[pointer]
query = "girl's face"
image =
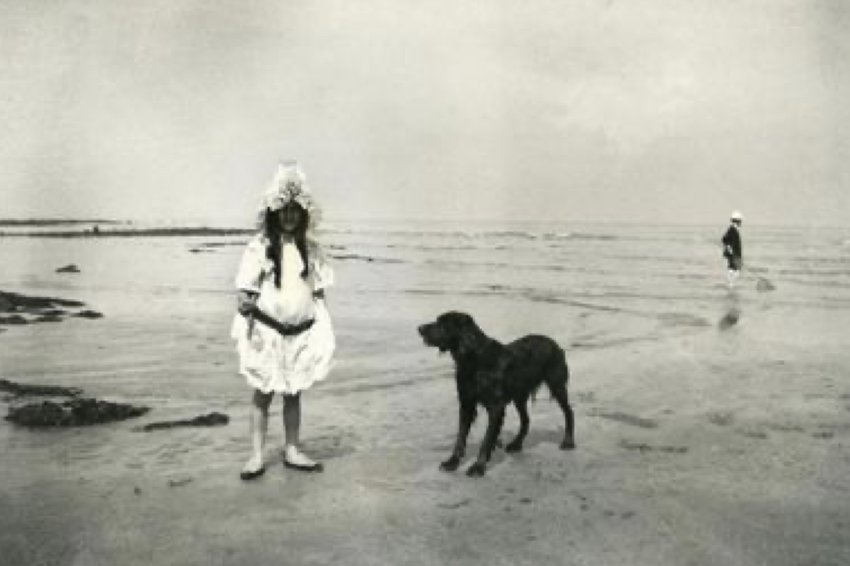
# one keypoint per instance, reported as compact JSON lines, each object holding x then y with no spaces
{"x":290,"y":218}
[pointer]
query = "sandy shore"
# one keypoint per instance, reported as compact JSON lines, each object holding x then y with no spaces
{"x":705,"y":447}
{"x":711,"y":429}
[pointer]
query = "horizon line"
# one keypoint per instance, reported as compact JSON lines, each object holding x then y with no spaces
{"x":233,"y":223}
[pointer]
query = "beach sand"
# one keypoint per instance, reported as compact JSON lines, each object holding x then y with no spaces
{"x":712,"y":427}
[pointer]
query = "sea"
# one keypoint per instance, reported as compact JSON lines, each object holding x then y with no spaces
{"x":588,"y":285}
{"x":613,"y":267}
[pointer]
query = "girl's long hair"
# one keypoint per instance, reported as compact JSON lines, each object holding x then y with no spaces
{"x":271,"y":229}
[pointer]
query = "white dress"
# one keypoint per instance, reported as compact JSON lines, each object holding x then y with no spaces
{"x":268,"y":360}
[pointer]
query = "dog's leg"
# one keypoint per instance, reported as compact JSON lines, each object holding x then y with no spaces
{"x":522,"y":408}
{"x":559,"y":392}
{"x":495,"y":418}
{"x":466,"y":418}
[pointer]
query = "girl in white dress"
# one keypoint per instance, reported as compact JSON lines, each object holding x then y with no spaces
{"x":283,"y":330}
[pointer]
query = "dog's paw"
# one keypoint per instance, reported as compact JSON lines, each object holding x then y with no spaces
{"x":514,"y":446}
{"x":568,"y":444}
{"x":476,"y":470}
{"x":451,"y":464}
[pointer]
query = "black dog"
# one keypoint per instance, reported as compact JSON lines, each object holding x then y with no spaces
{"x":493,"y":375}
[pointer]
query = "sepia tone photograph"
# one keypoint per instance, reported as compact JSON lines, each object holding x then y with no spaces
{"x":314,"y":282}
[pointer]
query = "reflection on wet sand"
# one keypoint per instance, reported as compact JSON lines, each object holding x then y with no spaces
{"x":733,"y":312}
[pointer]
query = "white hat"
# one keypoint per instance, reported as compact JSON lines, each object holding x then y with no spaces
{"x":289,"y":184}
{"x":736,"y":215}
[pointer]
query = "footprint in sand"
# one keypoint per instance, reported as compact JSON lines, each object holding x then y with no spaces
{"x":643,"y":447}
{"x":682,"y":319}
{"x":786,"y":427}
{"x":824,"y":434}
{"x":752,"y":433}
{"x":721,"y":418}
{"x":179,"y":482}
{"x":455,"y":505}
{"x":586,"y":396}
{"x":333,"y":445}
{"x":624,"y":418}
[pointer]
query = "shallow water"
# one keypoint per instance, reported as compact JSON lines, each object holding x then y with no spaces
{"x":583,"y":283}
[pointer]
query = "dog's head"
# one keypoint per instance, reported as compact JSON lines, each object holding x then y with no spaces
{"x":453,"y":331}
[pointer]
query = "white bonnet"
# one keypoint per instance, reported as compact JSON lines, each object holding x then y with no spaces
{"x":289,"y":184}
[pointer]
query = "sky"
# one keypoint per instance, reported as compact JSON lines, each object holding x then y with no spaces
{"x":669,"y":111}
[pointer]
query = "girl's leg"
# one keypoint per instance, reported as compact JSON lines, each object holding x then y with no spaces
{"x":291,"y":419}
{"x":732,"y":276}
{"x":259,"y":426}
{"x":291,"y":429}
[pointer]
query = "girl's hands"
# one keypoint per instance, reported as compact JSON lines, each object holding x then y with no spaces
{"x":256,"y":313}
{"x":246,"y":302}
{"x":247,"y":307}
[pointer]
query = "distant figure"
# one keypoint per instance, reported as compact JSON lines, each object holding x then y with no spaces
{"x":283,"y":330}
{"x":733,"y":249}
{"x":95,"y":229}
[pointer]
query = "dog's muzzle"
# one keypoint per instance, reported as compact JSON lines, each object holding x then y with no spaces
{"x":426,"y":331}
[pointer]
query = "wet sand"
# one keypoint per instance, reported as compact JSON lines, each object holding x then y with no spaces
{"x":745,"y":462}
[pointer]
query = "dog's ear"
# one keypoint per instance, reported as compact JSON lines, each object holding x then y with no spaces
{"x":468,"y":342}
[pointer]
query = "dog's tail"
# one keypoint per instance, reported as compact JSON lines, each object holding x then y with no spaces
{"x":557,"y":372}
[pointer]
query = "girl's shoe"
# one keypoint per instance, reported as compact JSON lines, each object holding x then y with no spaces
{"x":252,"y":469}
{"x":293,"y":458}
{"x":250,"y":475}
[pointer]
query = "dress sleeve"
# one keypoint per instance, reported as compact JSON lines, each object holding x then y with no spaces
{"x":323,"y":273}
{"x":250,"y":273}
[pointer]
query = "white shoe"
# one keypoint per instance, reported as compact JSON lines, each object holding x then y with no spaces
{"x":253,"y":468}
{"x":294,"y":458}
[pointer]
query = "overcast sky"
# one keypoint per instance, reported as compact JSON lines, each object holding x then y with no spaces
{"x":595,"y":110}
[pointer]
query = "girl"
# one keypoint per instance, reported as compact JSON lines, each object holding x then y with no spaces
{"x":283,"y":330}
